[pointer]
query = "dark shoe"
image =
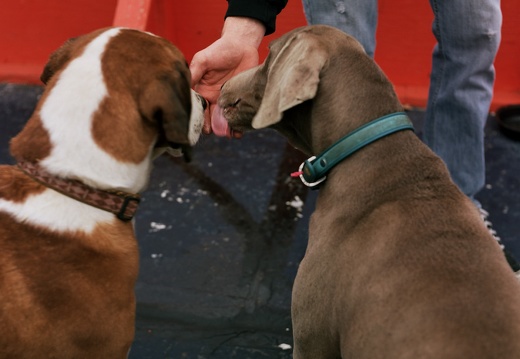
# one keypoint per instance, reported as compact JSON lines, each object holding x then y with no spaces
{"x":513,"y":263}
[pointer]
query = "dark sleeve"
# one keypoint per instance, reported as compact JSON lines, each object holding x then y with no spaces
{"x":263,"y":10}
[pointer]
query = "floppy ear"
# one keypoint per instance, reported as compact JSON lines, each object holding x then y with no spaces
{"x":293,"y":78}
{"x":57,"y":60}
{"x":167,"y":101}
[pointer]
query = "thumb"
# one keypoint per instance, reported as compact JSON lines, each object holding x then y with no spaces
{"x":197,"y":71}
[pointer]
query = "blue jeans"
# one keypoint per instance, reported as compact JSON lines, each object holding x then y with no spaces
{"x":462,"y":76}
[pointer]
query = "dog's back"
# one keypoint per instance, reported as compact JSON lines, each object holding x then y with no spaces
{"x":62,"y":291}
{"x":400,"y":265}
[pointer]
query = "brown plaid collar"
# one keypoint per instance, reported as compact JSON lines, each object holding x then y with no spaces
{"x":122,"y":204}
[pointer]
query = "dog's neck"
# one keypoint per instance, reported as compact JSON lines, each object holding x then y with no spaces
{"x":122,"y":204}
{"x":344,"y":104}
{"x":329,"y":122}
{"x":396,"y":167}
{"x":315,"y":169}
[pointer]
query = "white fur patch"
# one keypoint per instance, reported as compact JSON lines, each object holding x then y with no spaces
{"x":196,"y":118}
{"x":56,"y":212}
{"x":67,"y":115}
{"x":195,"y":127}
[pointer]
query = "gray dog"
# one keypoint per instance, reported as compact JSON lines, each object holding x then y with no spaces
{"x":399,"y":263}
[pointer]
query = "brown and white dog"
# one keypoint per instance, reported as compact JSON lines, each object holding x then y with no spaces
{"x":399,"y":264}
{"x":68,"y":255}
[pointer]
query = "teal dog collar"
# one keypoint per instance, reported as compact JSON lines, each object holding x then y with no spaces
{"x":313,"y":171}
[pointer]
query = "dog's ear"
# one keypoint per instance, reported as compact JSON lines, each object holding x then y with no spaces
{"x":293,"y":78}
{"x":57,"y":60}
{"x":167,"y":101}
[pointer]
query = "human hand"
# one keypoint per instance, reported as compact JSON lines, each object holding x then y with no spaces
{"x":234,"y":52}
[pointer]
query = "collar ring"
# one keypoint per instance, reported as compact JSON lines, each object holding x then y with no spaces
{"x":314,"y":184}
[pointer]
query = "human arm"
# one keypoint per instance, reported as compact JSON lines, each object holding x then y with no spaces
{"x":235,"y":51}
{"x":264,"y":11}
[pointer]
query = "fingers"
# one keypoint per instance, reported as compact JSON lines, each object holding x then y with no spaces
{"x":206,"y":128}
{"x":211,"y":67}
{"x":197,"y":70}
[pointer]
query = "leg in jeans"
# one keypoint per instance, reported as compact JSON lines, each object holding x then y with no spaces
{"x":357,"y":18}
{"x":468,"y":36}
{"x":461,"y":87}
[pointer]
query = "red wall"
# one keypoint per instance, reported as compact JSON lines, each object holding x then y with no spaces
{"x":31,"y":29}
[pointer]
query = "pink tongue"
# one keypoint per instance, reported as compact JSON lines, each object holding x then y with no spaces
{"x":219,"y":124}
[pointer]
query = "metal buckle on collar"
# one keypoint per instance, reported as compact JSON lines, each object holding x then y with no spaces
{"x":126,"y":201}
{"x":313,"y":185}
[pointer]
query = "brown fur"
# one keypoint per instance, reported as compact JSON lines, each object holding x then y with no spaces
{"x":164,"y":95}
{"x":66,"y":296}
{"x":35,"y":144}
{"x":71,"y":294}
{"x":399,"y":264}
{"x":14,"y":185}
